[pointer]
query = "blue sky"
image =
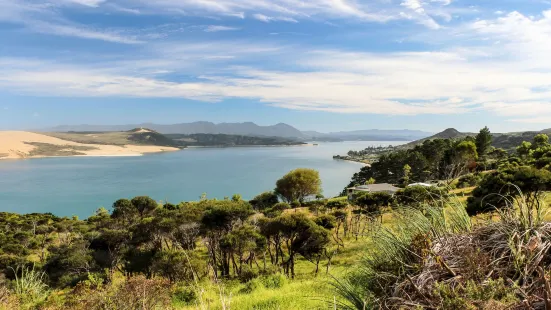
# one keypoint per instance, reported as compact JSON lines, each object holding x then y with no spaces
{"x":325,"y":65}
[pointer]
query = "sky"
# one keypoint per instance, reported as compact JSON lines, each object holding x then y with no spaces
{"x":325,"y":65}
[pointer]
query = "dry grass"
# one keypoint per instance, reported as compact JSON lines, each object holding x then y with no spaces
{"x":46,"y":149}
{"x":104,"y":138}
{"x":440,"y":259}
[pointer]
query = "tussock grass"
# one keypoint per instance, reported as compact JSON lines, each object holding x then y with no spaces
{"x":437,"y":258}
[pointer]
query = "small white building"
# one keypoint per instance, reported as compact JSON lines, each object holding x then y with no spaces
{"x":373,"y":188}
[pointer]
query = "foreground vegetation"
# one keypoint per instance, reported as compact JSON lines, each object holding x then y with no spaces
{"x":291,"y":248}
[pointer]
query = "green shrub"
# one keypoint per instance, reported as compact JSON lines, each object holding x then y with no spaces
{"x":251,"y":286}
{"x":247,"y":274}
{"x":468,"y":180}
{"x":186,"y":295}
{"x":274,"y":281}
{"x":337,"y":203}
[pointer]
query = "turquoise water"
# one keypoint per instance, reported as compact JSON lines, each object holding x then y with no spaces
{"x":80,"y":185}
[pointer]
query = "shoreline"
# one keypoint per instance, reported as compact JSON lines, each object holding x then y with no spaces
{"x":353,"y":161}
{"x":238,"y":146}
{"x":86,"y":155}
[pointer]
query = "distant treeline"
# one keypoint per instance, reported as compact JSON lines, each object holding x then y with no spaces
{"x":202,"y":139}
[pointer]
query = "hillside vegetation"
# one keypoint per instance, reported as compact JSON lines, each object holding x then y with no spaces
{"x":292,"y":248}
{"x":229,"y":140}
{"x":138,"y":136}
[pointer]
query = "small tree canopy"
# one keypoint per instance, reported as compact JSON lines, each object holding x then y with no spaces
{"x":144,"y":204}
{"x":500,"y":186}
{"x":483,"y":141}
{"x":264,"y":201}
{"x":298,"y":184}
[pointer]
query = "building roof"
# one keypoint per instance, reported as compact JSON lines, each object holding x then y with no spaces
{"x":383,"y":187}
{"x":421,"y":184}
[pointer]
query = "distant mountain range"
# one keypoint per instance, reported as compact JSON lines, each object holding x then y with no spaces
{"x":251,"y":129}
{"x":245,"y":129}
{"x":508,"y":141}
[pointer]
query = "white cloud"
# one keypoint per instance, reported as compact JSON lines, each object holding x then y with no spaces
{"x":42,"y":18}
{"x":511,"y":79}
{"x":79,"y":32}
{"x":216,"y":28}
{"x":267,"y":19}
{"x":290,"y":10}
{"x":90,"y":3}
{"x":417,"y":12}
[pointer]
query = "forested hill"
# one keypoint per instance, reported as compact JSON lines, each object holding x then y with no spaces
{"x":450,"y":133}
{"x":507,"y":141}
{"x":229,"y":140}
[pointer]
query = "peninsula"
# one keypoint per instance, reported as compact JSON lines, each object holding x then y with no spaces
{"x":24,"y":144}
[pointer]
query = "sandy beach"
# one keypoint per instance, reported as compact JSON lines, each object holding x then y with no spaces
{"x":14,"y":145}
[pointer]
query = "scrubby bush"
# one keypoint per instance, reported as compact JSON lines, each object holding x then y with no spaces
{"x":274,"y":281}
{"x":468,"y":180}
{"x":186,"y":295}
{"x":8,"y":301}
{"x":326,"y":221}
{"x":247,"y":274}
{"x":338,"y":203}
{"x":497,"y":189}
{"x":418,"y":196}
{"x":264,"y":201}
{"x":251,"y":286}
{"x":277,"y":209}
{"x":135,"y":293}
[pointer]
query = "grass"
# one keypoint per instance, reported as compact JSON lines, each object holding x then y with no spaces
{"x":46,"y":149}
{"x":305,"y":292}
{"x":104,"y":138}
{"x":122,"y":138}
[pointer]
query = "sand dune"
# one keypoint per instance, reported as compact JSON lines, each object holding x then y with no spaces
{"x":14,"y":145}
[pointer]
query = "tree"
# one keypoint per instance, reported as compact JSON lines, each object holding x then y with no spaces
{"x":524,"y":149}
{"x":124,"y":210}
{"x":298,"y":184}
{"x":144,"y":205}
{"x":541,"y":140}
{"x":371,"y":203}
{"x":264,"y":201}
{"x":417,"y":196}
{"x":497,"y":189}
{"x":483,"y":141}
{"x":460,"y":159}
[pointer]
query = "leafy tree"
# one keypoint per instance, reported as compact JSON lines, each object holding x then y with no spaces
{"x":219,"y":219}
{"x":524,"y":149}
{"x":460,"y":159}
{"x":371,"y":203}
{"x":337,"y":204}
{"x":177,"y":265}
{"x":483,"y":141}
{"x":264,"y":201}
{"x":69,"y":263}
{"x":298,"y":184}
{"x":418,"y":196}
{"x":498,"y":188}
{"x":303,"y":235}
{"x":144,"y":205}
{"x":541,"y":140}
{"x":124,"y":210}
